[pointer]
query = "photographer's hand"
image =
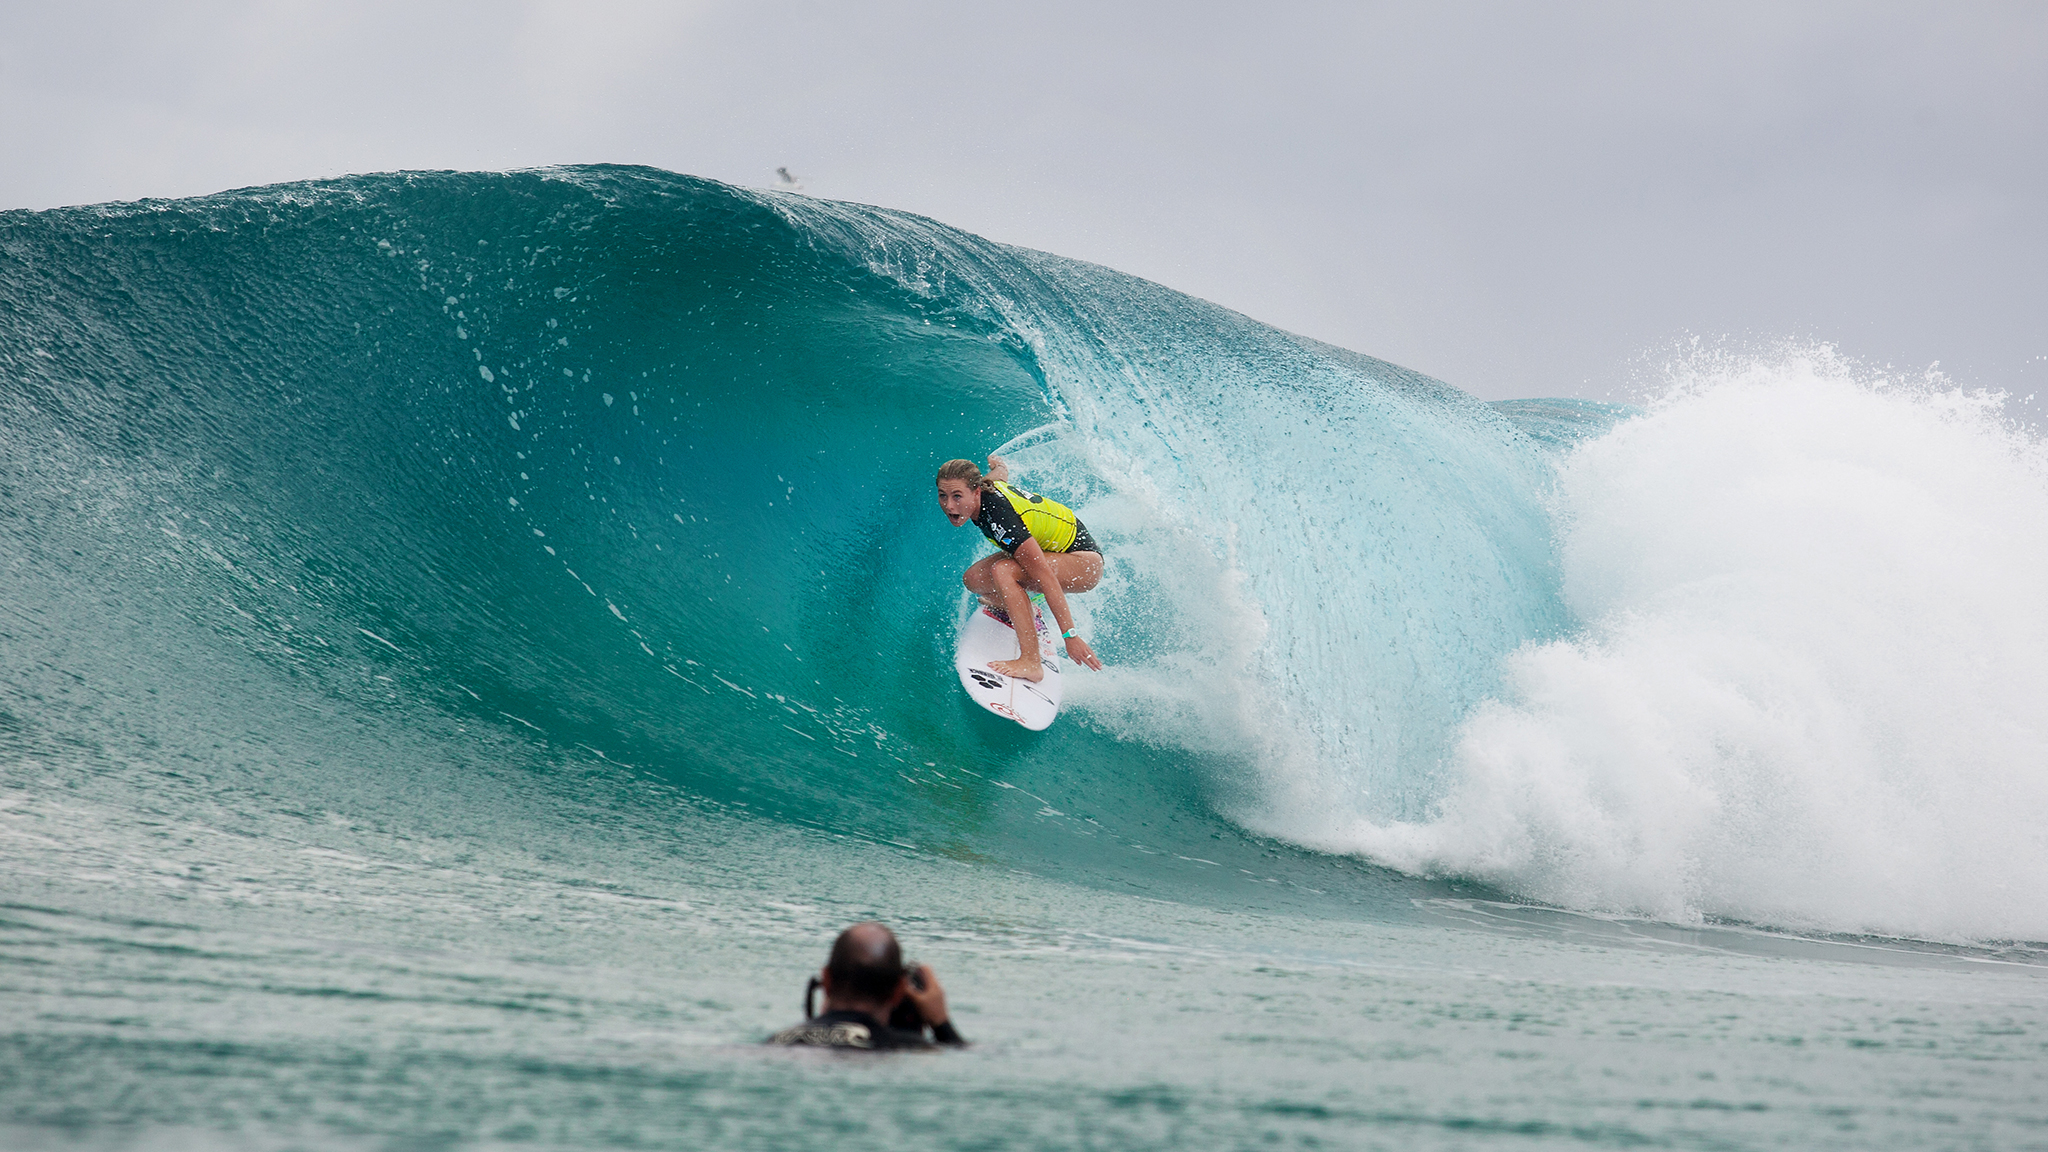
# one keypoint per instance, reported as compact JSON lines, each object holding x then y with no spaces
{"x":931,"y":999}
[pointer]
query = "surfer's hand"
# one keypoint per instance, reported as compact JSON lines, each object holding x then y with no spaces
{"x":1080,"y":653}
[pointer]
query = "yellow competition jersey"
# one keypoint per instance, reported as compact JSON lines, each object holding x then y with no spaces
{"x":1020,"y":514}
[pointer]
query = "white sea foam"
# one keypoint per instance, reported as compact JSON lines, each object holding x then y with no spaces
{"x":1811,"y":682}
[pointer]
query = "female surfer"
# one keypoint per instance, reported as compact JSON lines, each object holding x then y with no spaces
{"x":1044,"y":549}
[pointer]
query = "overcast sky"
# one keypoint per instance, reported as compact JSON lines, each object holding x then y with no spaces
{"x":1523,"y":199}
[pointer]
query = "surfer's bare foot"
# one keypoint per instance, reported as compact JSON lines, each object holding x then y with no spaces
{"x":1034,"y":671}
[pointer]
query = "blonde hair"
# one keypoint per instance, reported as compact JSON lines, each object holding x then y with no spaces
{"x":963,"y":470}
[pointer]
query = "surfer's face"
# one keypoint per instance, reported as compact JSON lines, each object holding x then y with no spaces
{"x":959,"y":500}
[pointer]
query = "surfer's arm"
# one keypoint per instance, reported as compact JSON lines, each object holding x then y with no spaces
{"x":998,"y":468}
{"x":1032,"y":559}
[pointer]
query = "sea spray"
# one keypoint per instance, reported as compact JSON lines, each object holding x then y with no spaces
{"x":1808,"y":686}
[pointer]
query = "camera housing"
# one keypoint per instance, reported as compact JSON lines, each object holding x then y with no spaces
{"x":904,"y":1017}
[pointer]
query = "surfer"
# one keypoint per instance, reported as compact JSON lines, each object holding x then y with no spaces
{"x":1045,"y":549}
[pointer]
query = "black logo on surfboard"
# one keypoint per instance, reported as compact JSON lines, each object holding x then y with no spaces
{"x":988,"y":680}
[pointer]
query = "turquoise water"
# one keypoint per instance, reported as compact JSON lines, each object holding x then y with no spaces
{"x":470,"y":640}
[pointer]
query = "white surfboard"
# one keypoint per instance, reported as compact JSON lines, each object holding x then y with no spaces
{"x":986,"y":638}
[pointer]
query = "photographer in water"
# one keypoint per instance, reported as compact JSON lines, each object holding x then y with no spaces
{"x":872,"y":1003}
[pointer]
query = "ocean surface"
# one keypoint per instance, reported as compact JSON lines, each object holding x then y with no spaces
{"x":469,"y":641}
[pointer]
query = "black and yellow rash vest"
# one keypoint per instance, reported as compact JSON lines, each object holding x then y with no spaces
{"x":1009,"y":516}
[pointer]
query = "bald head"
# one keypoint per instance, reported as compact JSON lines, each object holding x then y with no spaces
{"x":866,"y":964}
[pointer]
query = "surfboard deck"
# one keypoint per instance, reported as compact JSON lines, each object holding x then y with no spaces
{"x":986,"y":638}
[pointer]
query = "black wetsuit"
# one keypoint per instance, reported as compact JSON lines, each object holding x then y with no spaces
{"x":860,"y":1032}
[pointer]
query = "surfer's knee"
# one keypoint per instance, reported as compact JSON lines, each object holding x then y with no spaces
{"x":977,"y":578}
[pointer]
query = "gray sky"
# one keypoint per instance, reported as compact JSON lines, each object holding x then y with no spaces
{"x":1520,"y":198}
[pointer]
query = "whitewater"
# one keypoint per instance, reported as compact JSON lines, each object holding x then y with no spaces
{"x":1805,"y":683}
{"x":431,"y":601}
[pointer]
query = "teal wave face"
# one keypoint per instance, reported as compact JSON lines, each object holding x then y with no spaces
{"x":615,"y":460}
